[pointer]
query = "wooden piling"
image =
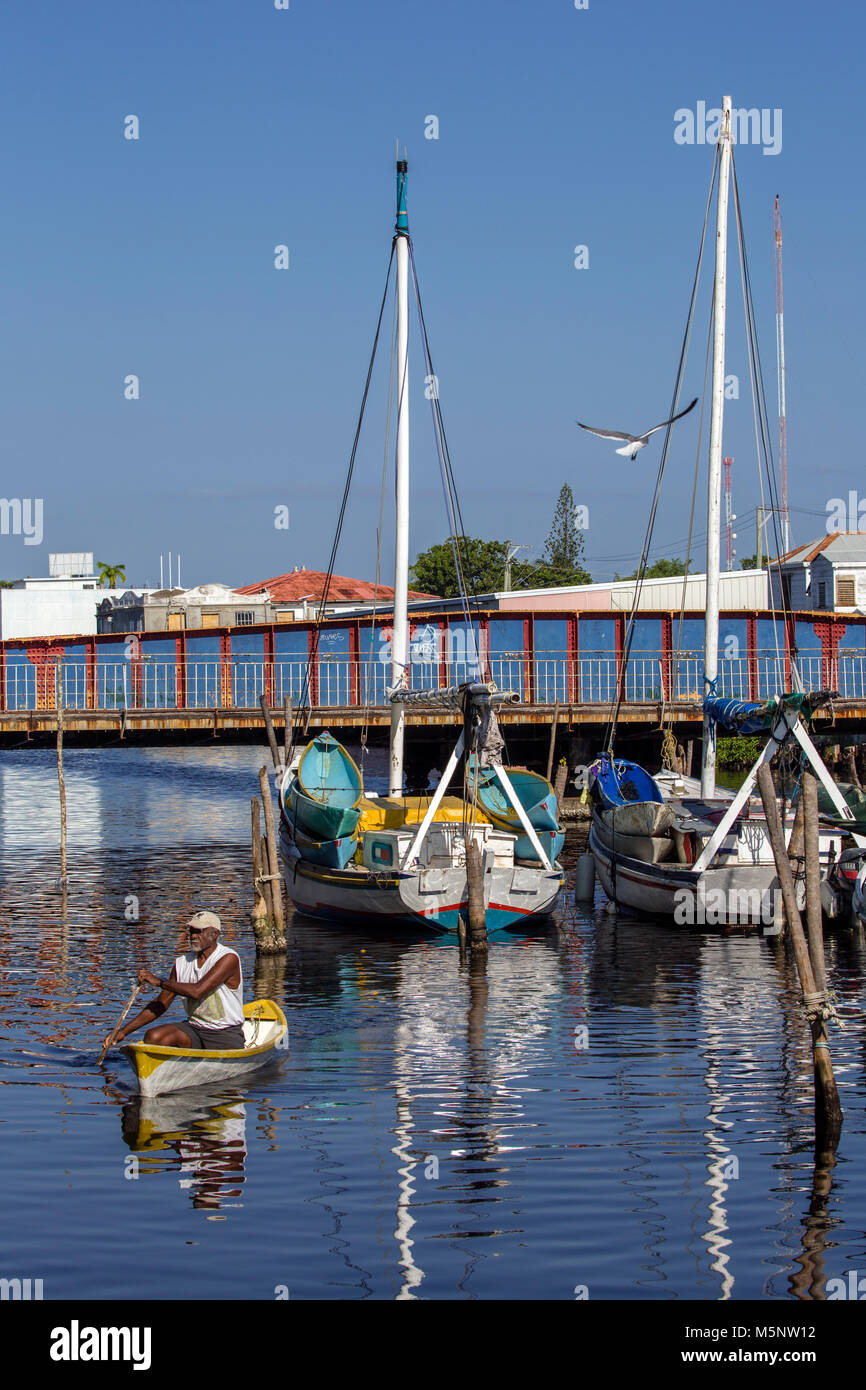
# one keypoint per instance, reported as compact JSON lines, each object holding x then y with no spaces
{"x":61,"y":782}
{"x":795,"y":843}
{"x":559,"y":784}
{"x":287,"y":734}
{"x":260,"y":914}
{"x":256,"y":818}
{"x":267,"y":884}
{"x":269,"y":727}
{"x":553,"y":723}
{"x":475,"y":894}
{"x":814,"y":922}
{"x":849,"y":762}
{"x":828,"y":1109}
{"x":273,"y":858}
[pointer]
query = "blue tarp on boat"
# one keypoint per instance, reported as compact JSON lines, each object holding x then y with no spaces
{"x":740,"y":716}
{"x":744,"y":717}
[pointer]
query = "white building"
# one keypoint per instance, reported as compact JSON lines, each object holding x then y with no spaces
{"x":828,"y":575}
{"x":738,"y":589}
{"x":62,"y":603}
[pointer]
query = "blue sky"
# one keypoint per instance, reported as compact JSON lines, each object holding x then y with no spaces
{"x":260,"y":127}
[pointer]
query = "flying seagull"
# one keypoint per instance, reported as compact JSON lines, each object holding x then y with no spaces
{"x":635,"y":442}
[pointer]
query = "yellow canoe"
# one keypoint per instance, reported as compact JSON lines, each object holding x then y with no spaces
{"x":162,"y":1069}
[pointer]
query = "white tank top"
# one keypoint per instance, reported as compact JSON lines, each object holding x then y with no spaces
{"x":223,"y":1007}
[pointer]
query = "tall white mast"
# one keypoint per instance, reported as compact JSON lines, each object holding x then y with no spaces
{"x":714,"y":485}
{"x":400,"y":638}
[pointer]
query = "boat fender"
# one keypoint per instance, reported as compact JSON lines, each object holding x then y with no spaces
{"x":584,"y":884}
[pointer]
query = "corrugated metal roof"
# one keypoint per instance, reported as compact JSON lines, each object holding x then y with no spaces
{"x":845,"y":549}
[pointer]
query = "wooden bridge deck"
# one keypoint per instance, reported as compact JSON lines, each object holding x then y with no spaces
{"x":19,"y":727}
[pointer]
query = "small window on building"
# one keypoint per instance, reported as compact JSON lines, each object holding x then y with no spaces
{"x":210,"y":619}
{"x":245,"y":619}
{"x":176,"y":621}
{"x":822,"y":596}
{"x":845,"y":591}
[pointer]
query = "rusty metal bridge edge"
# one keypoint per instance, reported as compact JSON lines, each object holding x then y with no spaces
{"x":221,"y":721}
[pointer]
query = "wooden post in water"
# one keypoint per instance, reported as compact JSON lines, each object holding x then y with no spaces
{"x":850,"y":765}
{"x":475,"y":894}
{"x":559,"y":784}
{"x":795,"y":844}
{"x":550,"y":750}
{"x":273,"y":869}
{"x":809,"y":799}
{"x":60,"y":778}
{"x":269,"y":727}
{"x":828,"y":1110}
{"x":287,"y":734}
{"x":261,"y":913}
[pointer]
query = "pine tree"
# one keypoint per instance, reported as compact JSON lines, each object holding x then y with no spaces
{"x":563,"y":550}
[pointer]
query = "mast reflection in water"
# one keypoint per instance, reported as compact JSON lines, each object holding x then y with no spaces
{"x":435,"y":1132}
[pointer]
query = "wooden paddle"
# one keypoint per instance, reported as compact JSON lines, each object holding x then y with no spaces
{"x":130,"y":1002}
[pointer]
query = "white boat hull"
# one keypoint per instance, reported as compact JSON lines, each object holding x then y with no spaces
{"x":731,"y":894}
{"x":435,"y":899}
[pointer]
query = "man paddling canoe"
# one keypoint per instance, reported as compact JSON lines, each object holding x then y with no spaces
{"x":209,"y":980}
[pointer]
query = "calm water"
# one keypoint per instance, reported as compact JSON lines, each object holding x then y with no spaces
{"x":433,"y":1132}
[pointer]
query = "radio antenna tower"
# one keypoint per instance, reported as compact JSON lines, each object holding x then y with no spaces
{"x":780,"y":373}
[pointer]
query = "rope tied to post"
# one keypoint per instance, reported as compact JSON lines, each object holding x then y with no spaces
{"x":820,"y":1004}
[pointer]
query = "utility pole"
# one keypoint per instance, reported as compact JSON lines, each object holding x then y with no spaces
{"x":510,"y":552}
{"x":762,"y":518}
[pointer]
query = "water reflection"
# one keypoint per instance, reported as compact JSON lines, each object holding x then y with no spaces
{"x":436,"y":1131}
{"x":204,"y":1134}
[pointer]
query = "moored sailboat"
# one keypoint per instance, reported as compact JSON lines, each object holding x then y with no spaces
{"x":408,"y":867}
{"x":706,"y":848}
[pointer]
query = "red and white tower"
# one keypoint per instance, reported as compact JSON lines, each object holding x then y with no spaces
{"x":730,"y":518}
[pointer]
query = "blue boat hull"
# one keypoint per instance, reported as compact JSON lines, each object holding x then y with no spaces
{"x":621,"y":783}
{"x":551,"y":842}
{"x":324,"y":797}
{"x":332,"y":854}
{"x":319,"y":821}
{"x":533,"y":791}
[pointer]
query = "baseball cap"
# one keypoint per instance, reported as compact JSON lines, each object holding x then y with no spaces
{"x":205,"y":920}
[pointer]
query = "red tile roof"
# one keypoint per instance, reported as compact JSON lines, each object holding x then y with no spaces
{"x":310,"y":584}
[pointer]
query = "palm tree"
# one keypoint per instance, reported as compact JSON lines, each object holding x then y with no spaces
{"x":111,"y":575}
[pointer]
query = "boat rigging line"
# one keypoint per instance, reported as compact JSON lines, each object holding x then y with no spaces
{"x":616,"y":702}
{"x":468,"y":596}
{"x":301,"y":722}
